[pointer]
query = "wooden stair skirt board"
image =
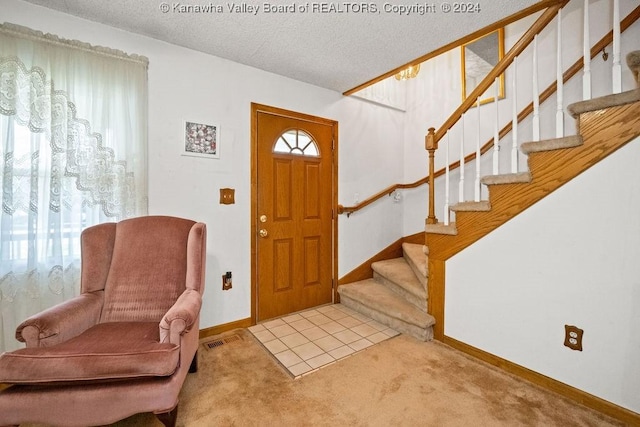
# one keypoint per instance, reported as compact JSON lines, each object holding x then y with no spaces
{"x":396,"y":296}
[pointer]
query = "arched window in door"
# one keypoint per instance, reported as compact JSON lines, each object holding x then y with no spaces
{"x":298,"y":142}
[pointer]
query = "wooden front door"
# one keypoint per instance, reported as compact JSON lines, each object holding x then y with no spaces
{"x":293,"y":227}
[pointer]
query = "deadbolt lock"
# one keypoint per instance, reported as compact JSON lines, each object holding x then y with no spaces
{"x":263,"y":218}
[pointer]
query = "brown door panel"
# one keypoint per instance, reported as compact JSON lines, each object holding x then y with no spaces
{"x":295,"y":195}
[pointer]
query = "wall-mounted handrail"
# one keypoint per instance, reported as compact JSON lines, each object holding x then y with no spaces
{"x":386,"y":192}
{"x":632,"y":17}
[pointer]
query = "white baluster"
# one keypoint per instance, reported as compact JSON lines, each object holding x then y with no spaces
{"x":514,"y":118}
{"x":617,"y":69}
{"x":446,"y":183}
{"x":536,"y":93}
{"x":586,"y":52}
{"x":476,"y":186}
{"x":496,"y":130}
{"x":461,"y":183}
{"x":559,"y":82}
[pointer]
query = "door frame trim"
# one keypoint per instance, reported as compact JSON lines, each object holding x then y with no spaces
{"x":260,"y":108}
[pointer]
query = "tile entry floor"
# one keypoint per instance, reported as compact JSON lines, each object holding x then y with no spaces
{"x":306,"y":341}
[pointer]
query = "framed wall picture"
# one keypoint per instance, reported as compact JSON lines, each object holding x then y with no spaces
{"x":201,"y":140}
{"x":478,"y":58}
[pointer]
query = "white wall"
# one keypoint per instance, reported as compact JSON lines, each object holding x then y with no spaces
{"x":185,"y":84}
{"x":572,"y":259}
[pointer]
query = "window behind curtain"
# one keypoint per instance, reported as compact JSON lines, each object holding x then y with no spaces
{"x":73,"y":141}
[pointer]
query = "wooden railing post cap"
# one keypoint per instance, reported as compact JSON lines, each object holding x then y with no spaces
{"x":430,"y":142}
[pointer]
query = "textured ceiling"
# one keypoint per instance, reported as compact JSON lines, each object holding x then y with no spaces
{"x":337,"y":48}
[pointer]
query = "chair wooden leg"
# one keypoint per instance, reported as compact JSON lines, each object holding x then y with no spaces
{"x":194,"y":364}
{"x":169,"y":418}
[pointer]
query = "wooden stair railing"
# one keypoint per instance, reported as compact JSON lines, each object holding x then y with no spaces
{"x":576,"y":67}
{"x":502,"y":65}
{"x":386,"y":192}
{"x":434,"y":136}
{"x":500,"y":68}
{"x":348,"y":210}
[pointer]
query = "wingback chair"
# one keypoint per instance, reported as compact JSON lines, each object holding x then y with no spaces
{"x":125,"y":344}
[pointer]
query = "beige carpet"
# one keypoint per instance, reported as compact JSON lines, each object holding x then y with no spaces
{"x":399,"y":382}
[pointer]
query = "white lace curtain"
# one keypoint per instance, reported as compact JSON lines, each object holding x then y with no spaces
{"x":73,"y":141}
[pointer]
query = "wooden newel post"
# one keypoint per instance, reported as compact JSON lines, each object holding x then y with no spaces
{"x":431,"y":145}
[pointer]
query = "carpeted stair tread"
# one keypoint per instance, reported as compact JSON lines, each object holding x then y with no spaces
{"x":375,"y":300}
{"x":507,"y":178}
{"x":633,"y":62}
{"x":603,"y":102}
{"x":416,"y":257}
{"x":481,"y":206}
{"x":398,"y":276}
{"x":551,"y":144}
{"x":441,"y":228}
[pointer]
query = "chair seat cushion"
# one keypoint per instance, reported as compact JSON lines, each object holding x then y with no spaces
{"x":113,"y":350}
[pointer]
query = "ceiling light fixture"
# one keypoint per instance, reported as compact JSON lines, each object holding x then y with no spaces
{"x":408,"y":73}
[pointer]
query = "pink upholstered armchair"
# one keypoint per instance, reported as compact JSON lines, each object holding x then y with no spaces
{"x":125,"y":344}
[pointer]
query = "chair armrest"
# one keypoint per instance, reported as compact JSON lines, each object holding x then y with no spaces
{"x":61,"y":322}
{"x":181,"y":317}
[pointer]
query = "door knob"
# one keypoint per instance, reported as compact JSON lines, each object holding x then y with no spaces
{"x":263,"y":233}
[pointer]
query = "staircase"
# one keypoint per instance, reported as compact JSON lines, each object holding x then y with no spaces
{"x":396,"y":295}
{"x":606,"y":124}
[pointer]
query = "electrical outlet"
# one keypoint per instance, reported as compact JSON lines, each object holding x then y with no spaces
{"x":226,"y":281}
{"x":227,"y":196}
{"x":573,"y":337}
